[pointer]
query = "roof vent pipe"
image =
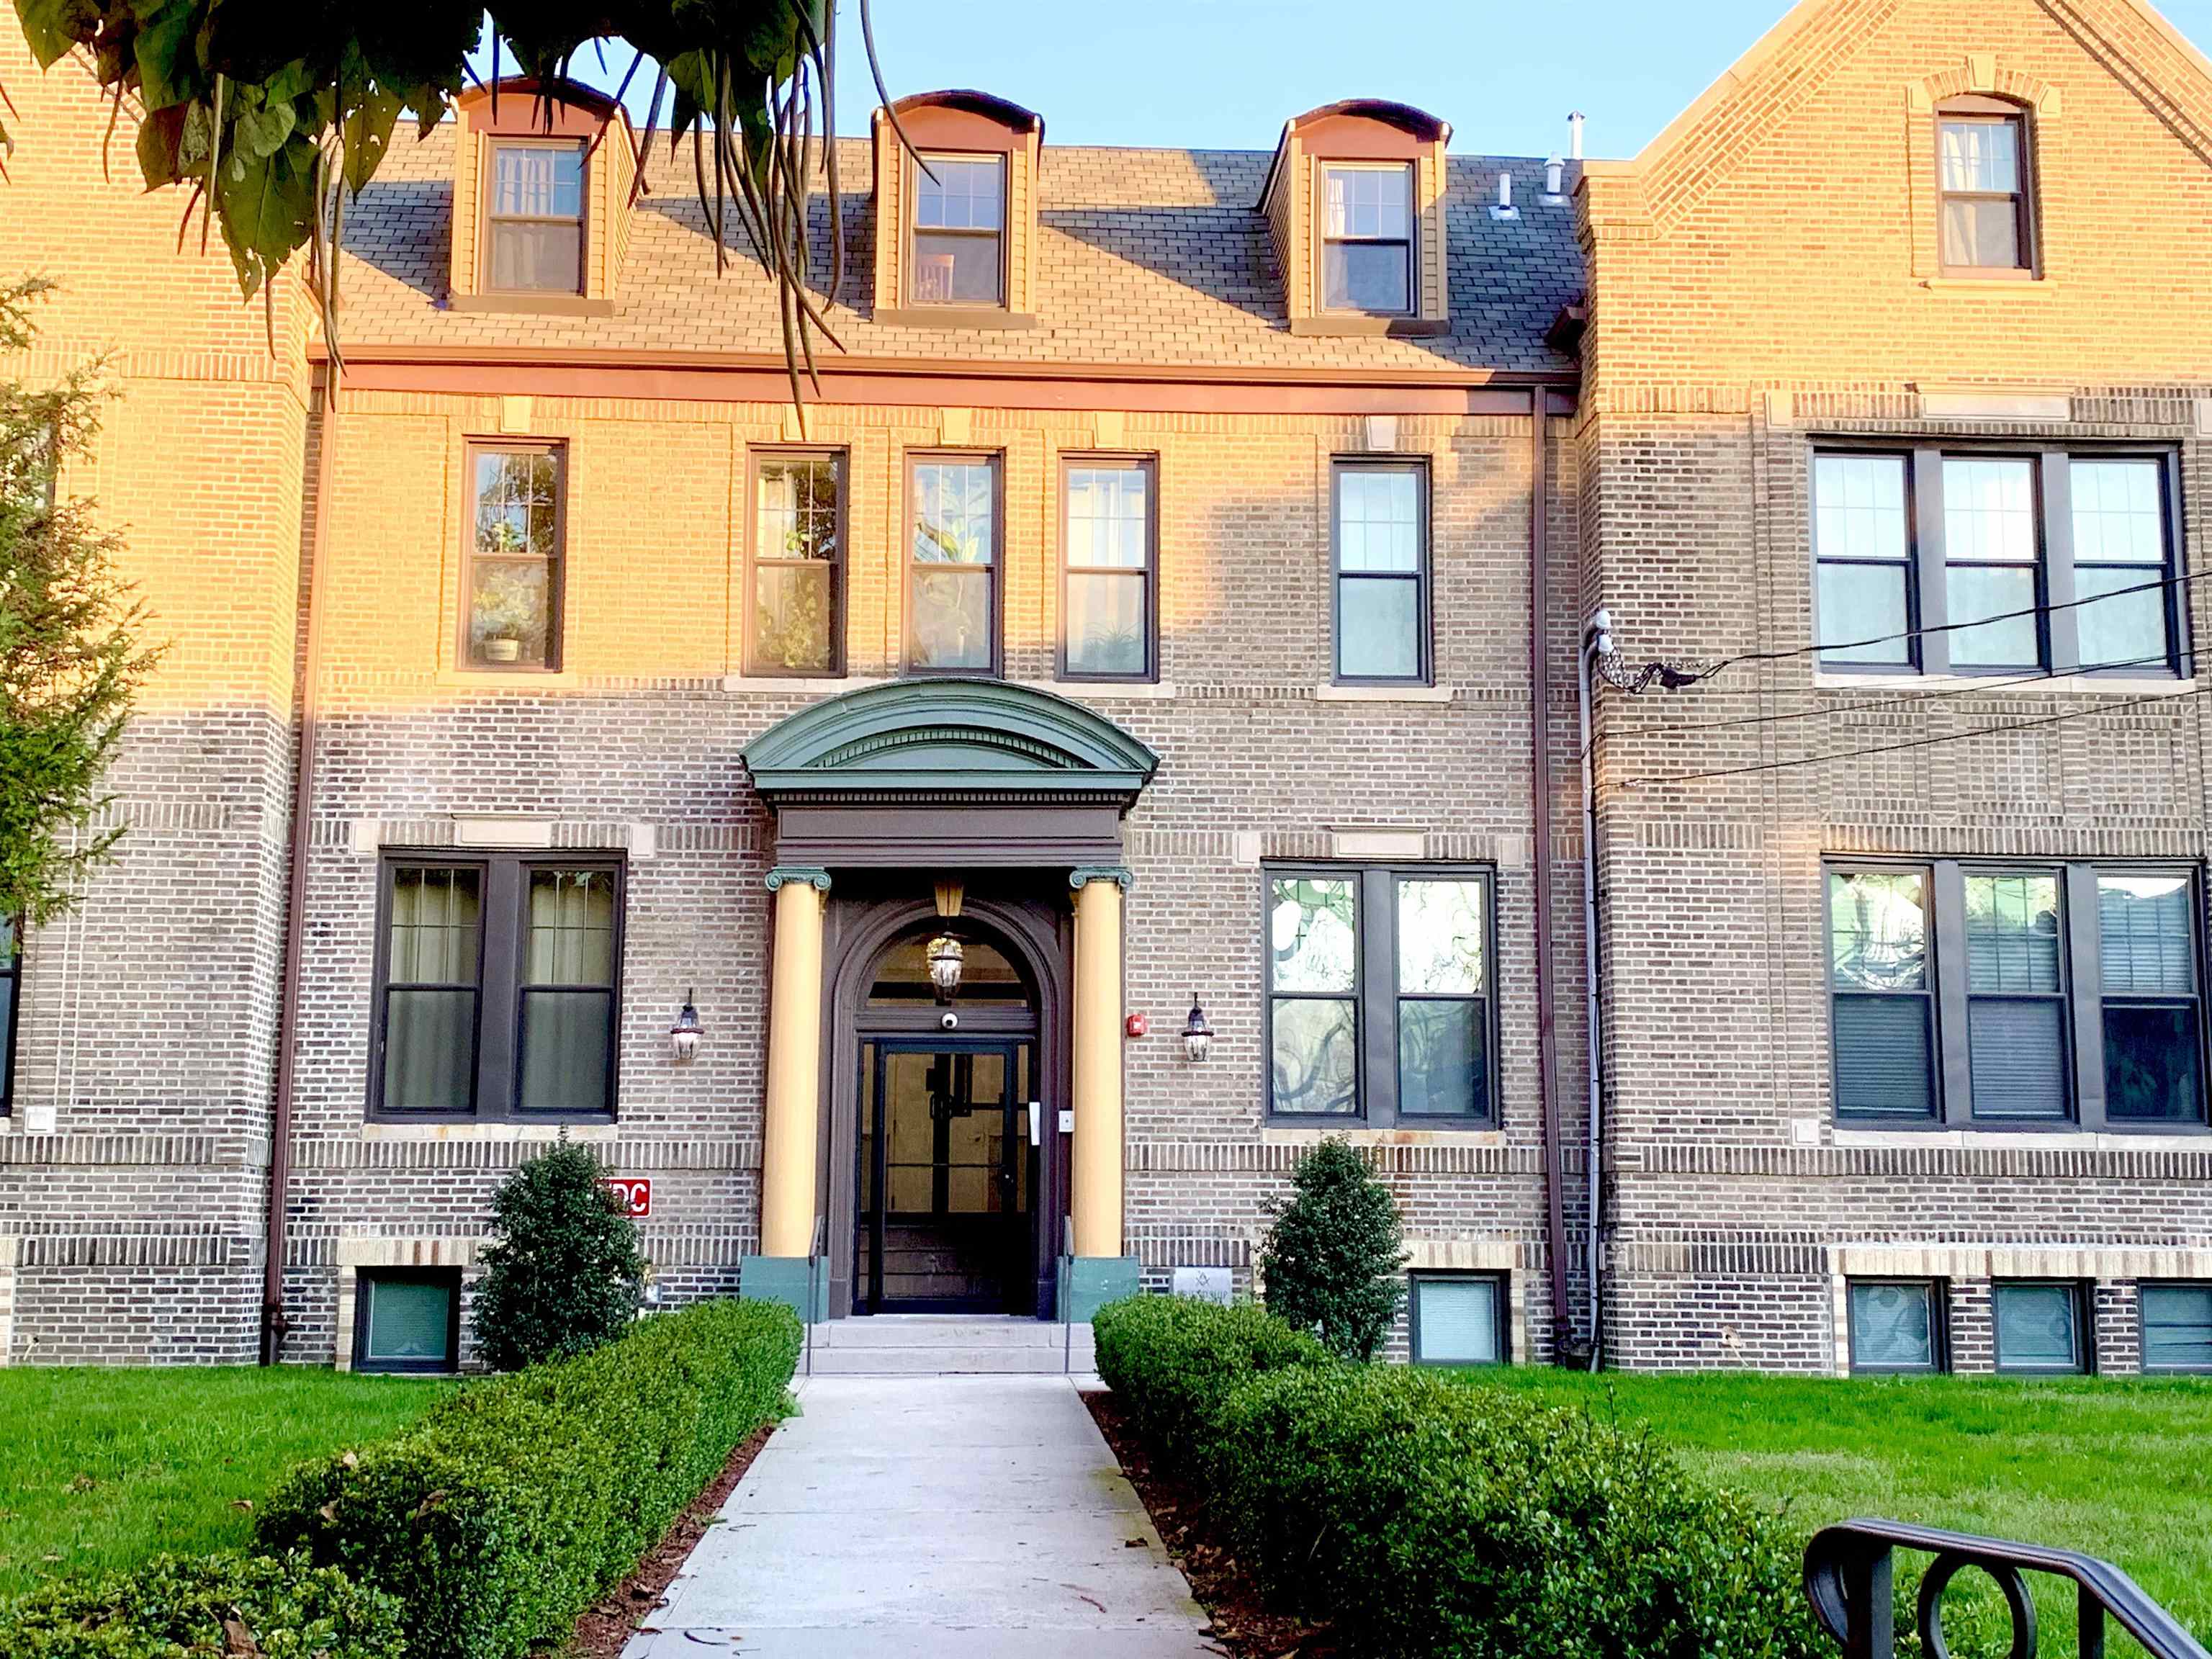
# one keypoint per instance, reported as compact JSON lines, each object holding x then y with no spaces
{"x":1504,"y":207}
{"x":1575,"y":136}
{"x":1555,"y":180}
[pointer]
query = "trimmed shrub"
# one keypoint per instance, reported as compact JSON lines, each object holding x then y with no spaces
{"x":562,"y":1272}
{"x":281,"y":1608}
{"x":1333,"y":1260}
{"x":1424,"y":1515}
{"x":512,"y":1506}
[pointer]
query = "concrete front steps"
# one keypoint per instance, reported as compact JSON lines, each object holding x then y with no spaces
{"x":947,"y":1344}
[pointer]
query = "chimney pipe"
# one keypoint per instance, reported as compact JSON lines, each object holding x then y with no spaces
{"x":1575,"y":136}
{"x":1504,"y":190}
{"x":1554,"y":175}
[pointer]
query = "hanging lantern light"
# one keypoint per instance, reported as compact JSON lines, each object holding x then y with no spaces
{"x":1197,"y":1035}
{"x":946,"y":957}
{"x":684,"y":1036}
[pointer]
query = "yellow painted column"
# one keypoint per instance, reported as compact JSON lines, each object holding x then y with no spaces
{"x":790,"y":1135}
{"x":1094,"y":1194}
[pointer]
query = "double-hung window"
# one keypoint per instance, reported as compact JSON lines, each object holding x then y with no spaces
{"x":1108,"y":596}
{"x":11,"y":999}
{"x":1381,"y":577}
{"x":1946,"y":560}
{"x":511,"y":575}
{"x":959,"y":230}
{"x":795,"y":601}
{"x":2029,"y":996}
{"x":534,"y":217}
{"x":498,"y":986}
{"x":1367,"y":237}
{"x":1381,"y":996}
{"x":953,"y":572}
{"x":1987,"y":228}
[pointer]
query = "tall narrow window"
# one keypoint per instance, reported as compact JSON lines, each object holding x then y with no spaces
{"x":534,"y":218}
{"x":1992,"y":562}
{"x":1981,"y":155}
{"x":511,"y":575}
{"x":567,"y":1059}
{"x":2040,"y":1327}
{"x":432,"y":974}
{"x":2154,"y":1025}
{"x":1444,"y":998}
{"x":1313,"y":953}
{"x":1367,"y":238}
{"x":959,"y":230}
{"x":1382,"y":571}
{"x":2016,"y":996}
{"x":1109,"y":595}
{"x":1863,"y":543}
{"x":2120,"y":542}
{"x":953,"y":605}
{"x":796,"y":600}
{"x":11,"y":998}
{"x":1884,"y":1015}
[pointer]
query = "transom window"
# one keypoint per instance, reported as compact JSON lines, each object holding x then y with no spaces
{"x":952,"y":586}
{"x":1982,"y":161}
{"x":795,"y":600}
{"x":1107,"y":630}
{"x":498,"y":987}
{"x":1380,"y":1001}
{"x":959,"y":230}
{"x":1367,"y":237}
{"x":2051,"y":996}
{"x":534,"y":218}
{"x":11,"y":996}
{"x":1953,"y":561}
{"x":512,"y":572}
{"x":1382,"y":536}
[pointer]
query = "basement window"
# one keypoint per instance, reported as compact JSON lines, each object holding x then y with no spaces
{"x":408,"y":1320}
{"x":1897,"y":1326}
{"x":1457,"y":1319}
{"x":2040,"y":1327}
{"x":2176,"y":1327}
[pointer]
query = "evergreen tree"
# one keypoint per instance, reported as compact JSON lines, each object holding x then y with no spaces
{"x":70,"y":659}
{"x":562,"y":1272}
{"x":1333,"y":1260}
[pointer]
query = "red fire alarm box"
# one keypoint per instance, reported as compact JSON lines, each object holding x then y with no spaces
{"x":1136,"y":1025}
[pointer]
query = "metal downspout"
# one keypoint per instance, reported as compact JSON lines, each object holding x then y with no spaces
{"x":273,"y":1321}
{"x":1547,"y":1047}
{"x":1597,"y":642}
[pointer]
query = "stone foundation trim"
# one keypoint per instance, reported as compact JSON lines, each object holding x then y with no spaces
{"x":359,"y":1250}
{"x":532,"y":1132}
{"x":1492,"y":1255}
{"x":794,"y":1280}
{"x":1088,"y":1283}
{"x":2020,"y":1261}
{"x":9,"y":1243}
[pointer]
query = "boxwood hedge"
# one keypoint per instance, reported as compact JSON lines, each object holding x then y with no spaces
{"x":219,"y":1604}
{"x":1424,"y":1515}
{"x":509,"y":1508}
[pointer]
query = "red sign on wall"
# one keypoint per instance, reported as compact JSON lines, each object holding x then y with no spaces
{"x":635,"y":1193}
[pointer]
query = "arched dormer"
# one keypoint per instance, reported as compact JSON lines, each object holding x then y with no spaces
{"x":955,"y":230}
{"x":1355,"y":199}
{"x":541,"y":207}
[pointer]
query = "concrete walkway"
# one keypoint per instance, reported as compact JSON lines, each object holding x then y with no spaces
{"x":927,"y":1517}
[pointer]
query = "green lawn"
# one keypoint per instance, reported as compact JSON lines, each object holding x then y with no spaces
{"x":2122,"y":1469}
{"x":98,"y":1468}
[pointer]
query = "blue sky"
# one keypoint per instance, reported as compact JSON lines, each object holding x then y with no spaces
{"x":1225,"y":73}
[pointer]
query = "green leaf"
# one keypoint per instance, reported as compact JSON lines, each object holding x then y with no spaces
{"x":368,"y":133}
{"x":161,"y":145}
{"x":267,"y":206}
{"x":169,"y":66}
{"x":262,"y":132}
{"x":52,"y":27}
{"x":193,"y":143}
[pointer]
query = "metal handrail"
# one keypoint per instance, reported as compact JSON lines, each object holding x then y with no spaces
{"x":1849,"y":1582}
{"x":817,"y":1247}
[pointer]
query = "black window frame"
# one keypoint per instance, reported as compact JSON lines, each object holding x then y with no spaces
{"x":909,"y":566}
{"x":1075,"y":461}
{"x":1375,"y":996}
{"x":449,"y":1278}
{"x":2081,"y":972}
{"x":1986,"y":112}
{"x":1503,"y":1283}
{"x":1323,"y":240}
{"x":840,"y":460}
{"x":2083,"y":1305}
{"x":556,"y":582}
{"x":11,"y":971}
{"x":2143,"y":1326}
{"x":490,"y":219}
{"x":1939,"y":1324}
{"x":503,"y":924}
{"x":1927,"y":565}
{"x":1422,"y":577}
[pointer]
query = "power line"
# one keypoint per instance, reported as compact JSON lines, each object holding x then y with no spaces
{"x":2166,"y":698}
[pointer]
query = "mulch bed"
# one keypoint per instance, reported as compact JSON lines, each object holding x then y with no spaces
{"x":1242,"y":1625}
{"x":604,"y":1631}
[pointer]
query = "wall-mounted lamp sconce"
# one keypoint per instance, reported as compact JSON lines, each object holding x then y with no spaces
{"x":946,"y":955}
{"x":684,"y":1036}
{"x":1197,"y":1035}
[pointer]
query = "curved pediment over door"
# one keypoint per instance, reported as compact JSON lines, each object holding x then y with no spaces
{"x":978,"y":772}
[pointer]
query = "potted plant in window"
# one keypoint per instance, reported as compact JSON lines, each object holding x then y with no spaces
{"x":509,"y":612}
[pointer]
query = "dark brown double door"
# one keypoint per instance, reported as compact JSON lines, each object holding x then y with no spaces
{"x":948,"y":1169}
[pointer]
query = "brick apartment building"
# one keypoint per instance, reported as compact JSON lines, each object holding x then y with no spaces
{"x":1153,"y":608}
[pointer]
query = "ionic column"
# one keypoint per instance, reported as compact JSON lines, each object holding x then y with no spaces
{"x":790,"y":1135}
{"x":1100,"y":1270}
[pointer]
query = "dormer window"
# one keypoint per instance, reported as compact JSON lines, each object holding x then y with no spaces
{"x":1982,"y":154}
{"x":1367,"y":238}
{"x":959,"y":230}
{"x":534,"y":218}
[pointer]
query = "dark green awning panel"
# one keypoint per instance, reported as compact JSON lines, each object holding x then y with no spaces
{"x":948,"y":739}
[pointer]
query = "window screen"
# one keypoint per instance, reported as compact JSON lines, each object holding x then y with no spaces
{"x":1896,"y":1326}
{"x":2039,"y":1327}
{"x":1458,"y":1320}
{"x":2176,"y":1327}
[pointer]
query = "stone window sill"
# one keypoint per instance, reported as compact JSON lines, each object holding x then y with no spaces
{"x":1287,"y":1135}
{"x":1331,"y":693}
{"x":495,"y":1132}
{"x":822,"y":685}
{"x":1103,"y":690}
{"x":2040,"y":1140}
{"x":2163,"y":685}
{"x":1990,"y":286}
